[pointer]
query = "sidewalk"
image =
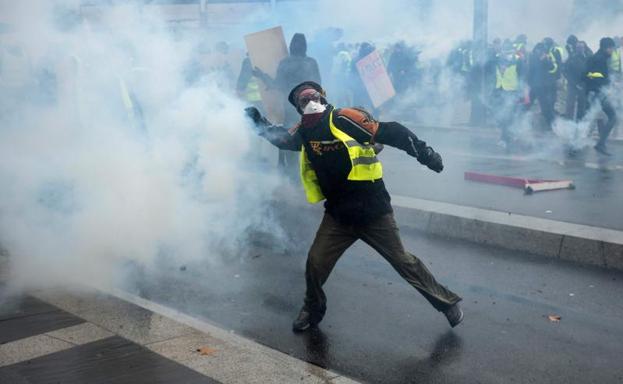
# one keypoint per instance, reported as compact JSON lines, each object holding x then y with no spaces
{"x":68,"y":337}
{"x":583,"y":244}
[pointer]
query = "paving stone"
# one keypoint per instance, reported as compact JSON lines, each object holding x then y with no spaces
{"x":30,"y":348}
{"x":127,"y":320}
{"x":81,"y":334}
{"x":21,"y":327}
{"x":113,"y":360}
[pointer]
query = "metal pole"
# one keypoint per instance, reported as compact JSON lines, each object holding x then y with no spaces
{"x":203,"y":13}
{"x":479,"y":49}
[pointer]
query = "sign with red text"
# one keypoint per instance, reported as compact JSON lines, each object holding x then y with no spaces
{"x":375,"y":78}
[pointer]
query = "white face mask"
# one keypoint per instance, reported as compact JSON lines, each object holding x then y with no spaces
{"x":314,"y":107}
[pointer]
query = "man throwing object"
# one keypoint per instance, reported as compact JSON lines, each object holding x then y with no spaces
{"x":338,"y":164}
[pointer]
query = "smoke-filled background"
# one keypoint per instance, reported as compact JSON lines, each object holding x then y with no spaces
{"x":122,"y":137}
{"x":109,"y":157}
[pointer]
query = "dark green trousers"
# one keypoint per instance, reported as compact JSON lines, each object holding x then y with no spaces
{"x":333,"y":238}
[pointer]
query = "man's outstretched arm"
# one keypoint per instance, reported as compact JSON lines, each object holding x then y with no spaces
{"x":275,"y":134}
{"x":397,"y":135}
{"x":362,"y":127}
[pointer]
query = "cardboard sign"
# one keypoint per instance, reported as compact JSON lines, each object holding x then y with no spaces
{"x":266,"y":49}
{"x":375,"y":78}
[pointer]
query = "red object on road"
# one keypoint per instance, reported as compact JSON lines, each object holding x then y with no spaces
{"x":528,"y":185}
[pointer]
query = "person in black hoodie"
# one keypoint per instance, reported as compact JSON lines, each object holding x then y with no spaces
{"x":402,"y":67}
{"x":596,"y":79}
{"x":542,"y":80}
{"x":339,"y":165}
{"x":574,"y":71}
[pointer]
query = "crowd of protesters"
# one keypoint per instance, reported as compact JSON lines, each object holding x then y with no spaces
{"x":549,"y":79}
{"x":562,"y":81}
{"x":552,"y":80}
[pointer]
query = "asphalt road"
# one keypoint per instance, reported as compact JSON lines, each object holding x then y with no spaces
{"x":596,"y":201}
{"x":380,"y":330}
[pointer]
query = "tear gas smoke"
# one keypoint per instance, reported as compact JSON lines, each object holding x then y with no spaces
{"x":575,"y":135}
{"x":115,"y":160}
{"x":110,"y":155}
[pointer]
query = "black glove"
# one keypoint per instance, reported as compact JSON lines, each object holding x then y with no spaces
{"x":260,"y":123}
{"x":257,"y":72}
{"x":254,"y":114}
{"x":378,"y":147}
{"x":434,"y":160}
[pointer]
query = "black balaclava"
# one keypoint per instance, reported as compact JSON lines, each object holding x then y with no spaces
{"x":298,"y":45}
{"x":605,"y":43}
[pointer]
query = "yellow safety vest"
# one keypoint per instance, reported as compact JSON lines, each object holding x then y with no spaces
{"x":560,"y":50}
{"x":553,"y":60}
{"x":615,"y":60}
{"x":365,"y":165}
{"x":252,"y":92}
{"x":508,"y":80}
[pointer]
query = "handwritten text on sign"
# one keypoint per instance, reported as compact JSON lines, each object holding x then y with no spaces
{"x":375,"y":78}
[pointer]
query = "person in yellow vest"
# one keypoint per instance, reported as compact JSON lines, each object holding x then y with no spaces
{"x":555,"y":86}
{"x":616,"y":76}
{"x":542,"y":81}
{"x":247,"y":86}
{"x":614,"y":65}
{"x":520,"y":47}
{"x":507,"y":93}
{"x":596,"y":81}
{"x":556,"y":53}
{"x":573,"y":70}
{"x":338,"y":165}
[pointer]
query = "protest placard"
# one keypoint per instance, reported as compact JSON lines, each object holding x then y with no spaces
{"x":375,"y":78}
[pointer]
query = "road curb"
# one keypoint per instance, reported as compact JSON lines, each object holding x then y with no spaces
{"x":548,"y":238}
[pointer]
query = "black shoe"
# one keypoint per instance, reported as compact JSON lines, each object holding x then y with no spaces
{"x":303,"y":322}
{"x":602,"y":149}
{"x":454,"y":314}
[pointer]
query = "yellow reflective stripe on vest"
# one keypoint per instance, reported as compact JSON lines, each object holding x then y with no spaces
{"x":309,"y":179}
{"x":355,"y":143}
{"x":509,"y":80}
{"x":252,"y":92}
{"x":595,"y":75}
{"x":553,"y":59}
{"x":365,"y":166}
{"x":615,"y":60}
{"x":365,"y":160}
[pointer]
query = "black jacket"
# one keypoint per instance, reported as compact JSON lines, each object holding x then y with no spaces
{"x":598,"y":63}
{"x":349,"y":202}
{"x":540,"y":72}
{"x":575,"y":67}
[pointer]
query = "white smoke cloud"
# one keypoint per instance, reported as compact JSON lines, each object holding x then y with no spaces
{"x":127,"y":163}
{"x":89,"y":184}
